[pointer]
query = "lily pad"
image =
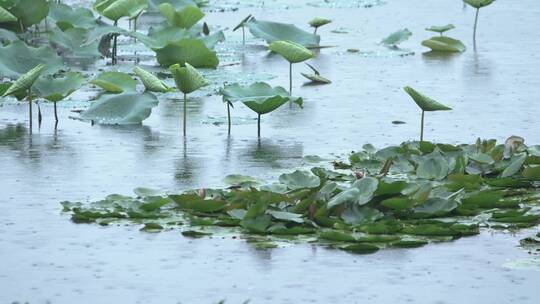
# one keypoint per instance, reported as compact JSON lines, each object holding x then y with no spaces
{"x":299,"y":180}
{"x":444,"y":44}
{"x":479,"y":3}
{"x":116,"y":9}
{"x":72,"y":42}
{"x":121,"y":109}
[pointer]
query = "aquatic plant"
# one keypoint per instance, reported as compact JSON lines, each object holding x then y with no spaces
{"x":32,"y":57}
{"x":23,"y":86}
{"x":275,"y":31}
{"x":187,"y":80}
{"x":185,"y":18}
{"x":440,"y":29}
{"x":121,"y":109}
{"x":293,"y":53}
{"x":115,"y":82}
{"x":117,"y":9}
{"x":150,"y":81}
{"x":242,"y":25}
{"x":477,"y":4}
{"x":318,"y":22}
{"x":406,"y":196}
{"x":316,"y":77}
{"x":57,"y":89}
{"x":396,"y":38}
{"x":260,"y":97}
{"x":444,"y":44}
{"x":426,"y":104}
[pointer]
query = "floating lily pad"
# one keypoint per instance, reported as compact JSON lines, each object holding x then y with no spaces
{"x":444,"y":44}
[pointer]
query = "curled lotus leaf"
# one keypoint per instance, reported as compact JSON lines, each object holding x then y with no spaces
{"x":425,"y":103}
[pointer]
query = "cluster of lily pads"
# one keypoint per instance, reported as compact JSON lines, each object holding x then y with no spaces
{"x":400,"y":196}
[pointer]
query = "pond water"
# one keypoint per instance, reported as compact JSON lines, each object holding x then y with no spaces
{"x":493,"y":91}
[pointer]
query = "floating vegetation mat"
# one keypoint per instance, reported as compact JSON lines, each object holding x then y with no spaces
{"x":401,"y":196}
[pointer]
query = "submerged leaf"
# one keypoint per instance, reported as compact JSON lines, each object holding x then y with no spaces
{"x":121,"y":109}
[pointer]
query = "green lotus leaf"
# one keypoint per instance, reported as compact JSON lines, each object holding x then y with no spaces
{"x":434,"y":167}
{"x":515,"y":165}
{"x":178,"y":4}
{"x":241,"y":180}
{"x":192,"y":51}
{"x":56,"y":89}
{"x":316,"y":78}
{"x":425,"y":103}
{"x":355,"y":215}
{"x":259,"y":97}
{"x":187,"y":78}
{"x":300,"y":180}
{"x":291,"y":51}
{"x":26,"y":81}
{"x":17,"y":58}
{"x":394,"y":39}
{"x":6,"y":16}
{"x":274,"y":31}
{"x":19,"y":95}
{"x":116,"y":9}
{"x":242,"y":23}
{"x":161,"y":37}
{"x":115,"y":82}
{"x":444,"y":44}
{"x":30,"y":12}
{"x":318,"y":22}
{"x":184,"y":18}
{"x":337,"y":236}
{"x":286,"y":216}
{"x":72,"y":42}
{"x":436,"y":205}
{"x":479,"y":3}
{"x":347,"y":196}
{"x":532,"y":173}
{"x":367,"y":187}
{"x":121,"y":109}
{"x":150,"y":81}
{"x":440,"y":29}
{"x":67,"y":17}
{"x":398,"y":203}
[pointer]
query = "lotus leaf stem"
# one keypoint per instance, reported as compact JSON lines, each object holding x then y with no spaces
{"x":290,"y":78}
{"x":475,"y":25}
{"x":30,"y":109}
{"x":422,"y":127}
{"x":55,"y":113}
{"x":259,"y":126}
{"x":185,"y":113}
{"x":229,"y":116}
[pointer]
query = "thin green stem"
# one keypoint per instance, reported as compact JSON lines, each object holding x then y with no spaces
{"x":55,"y":113}
{"x":259,"y":126}
{"x":290,"y":78}
{"x":185,"y":113}
{"x":475,"y":25}
{"x":115,"y":45}
{"x":30,"y":109}
{"x":422,"y":127}
{"x":229,"y":116}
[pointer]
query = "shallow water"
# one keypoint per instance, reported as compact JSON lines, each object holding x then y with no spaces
{"x":494,"y":92}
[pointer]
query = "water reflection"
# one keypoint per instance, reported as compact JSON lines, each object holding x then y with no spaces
{"x":272,"y":153}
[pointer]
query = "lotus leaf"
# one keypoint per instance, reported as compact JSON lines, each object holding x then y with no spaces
{"x":66,"y":17}
{"x":299,"y":180}
{"x":121,"y":109}
{"x":115,"y":82}
{"x":150,"y":81}
{"x":396,"y":38}
{"x":192,"y":51}
{"x":186,"y":17}
{"x":274,"y":31}
{"x":17,"y":58}
{"x":440,"y":29}
{"x":444,"y":44}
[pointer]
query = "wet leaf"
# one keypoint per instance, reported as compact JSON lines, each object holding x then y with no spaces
{"x":318,"y":22}
{"x":121,"y":109}
{"x":195,"y":234}
{"x":187,"y":78}
{"x":30,"y":12}
{"x":241,"y":180}
{"x":396,"y":38}
{"x":355,"y":215}
{"x":479,"y":3}
{"x":361,"y":248}
{"x":299,"y":180}
{"x":515,"y":165}
{"x":286,"y":216}
{"x":274,"y":31}
{"x":398,"y":203}
{"x":17,"y":58}
{"x":259,"y":97}
{"x":440,"y":29}
{"x":67,"y":17}
{"x":25,"y":82}
{"x":186,"y":17}
{"x":116,"y":9}
{"x":434,"y":167}
{"x":57,"y":89}
{"x":333,"y":235}
{"x":192,"y":51}
{"x":72,"y":42}
{"x":291,"y":51}
{"x":115,"y":82}
{"x":6,"y":16}
{"x":151,"y":82}
{"x":425,"y":103}
{"x":444,"y":44}
{"x":532,"y":173}
{"x":242,"y":23}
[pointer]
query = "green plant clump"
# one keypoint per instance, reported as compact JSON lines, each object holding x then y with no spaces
{"x":403,"y":196}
